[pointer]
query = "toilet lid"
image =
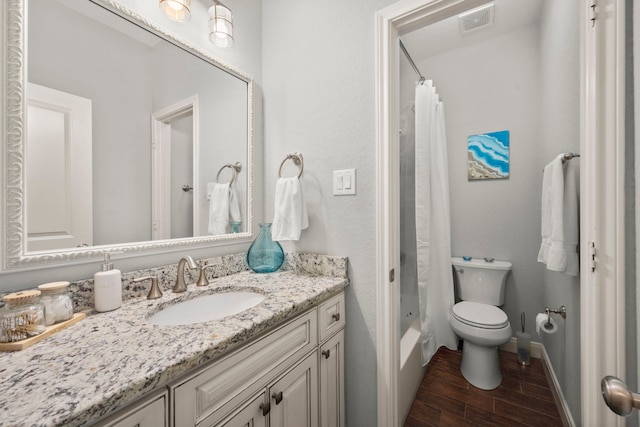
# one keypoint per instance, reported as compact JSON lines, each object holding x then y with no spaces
{"x":480,"y":315}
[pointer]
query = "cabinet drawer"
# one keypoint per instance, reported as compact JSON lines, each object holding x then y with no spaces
{"x":149,"y":412}
{"x":210,"y":394}
{"x":331,"y":316}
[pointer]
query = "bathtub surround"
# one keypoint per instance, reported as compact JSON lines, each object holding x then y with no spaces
{"x":123,"y":356}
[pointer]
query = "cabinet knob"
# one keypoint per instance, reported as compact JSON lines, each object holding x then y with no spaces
{"x":335,"y":316}
{"x":265,"y":408}
{"x":326,"y":353}
{"x":277,"y":397}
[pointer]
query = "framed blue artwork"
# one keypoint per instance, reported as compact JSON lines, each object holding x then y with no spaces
{"x":488,"y":155}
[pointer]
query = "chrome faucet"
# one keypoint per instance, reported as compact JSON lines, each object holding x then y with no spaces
{"x":180,"y":286}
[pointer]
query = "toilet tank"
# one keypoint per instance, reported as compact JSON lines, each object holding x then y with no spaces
{"x":481,"y":281}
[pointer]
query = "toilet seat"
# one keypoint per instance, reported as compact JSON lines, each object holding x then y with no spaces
{"x":480,"y":315}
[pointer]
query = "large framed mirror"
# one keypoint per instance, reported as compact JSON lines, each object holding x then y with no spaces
{"x":118,"y":136}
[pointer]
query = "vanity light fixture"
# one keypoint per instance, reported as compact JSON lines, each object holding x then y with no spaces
{"x":220,"y":25}
{"x":176,"y":10}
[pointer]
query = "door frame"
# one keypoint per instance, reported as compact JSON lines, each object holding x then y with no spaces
{"x":602,"y":196}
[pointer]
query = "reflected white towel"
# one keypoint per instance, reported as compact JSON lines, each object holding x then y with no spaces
{"x":223,"y":204}
{"x":290,"y":212}
{"x":553,"y":252}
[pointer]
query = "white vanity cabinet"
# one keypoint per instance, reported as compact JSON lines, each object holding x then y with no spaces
{"x":290,"y":377}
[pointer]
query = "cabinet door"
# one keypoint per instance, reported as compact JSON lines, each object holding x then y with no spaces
{"x":150,"y":412}
{"x":294,"y":397}
{"x":332,"y":382}
{"x":251,"y":415}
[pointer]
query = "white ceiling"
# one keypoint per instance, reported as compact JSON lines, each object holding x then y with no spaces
{"x":445,"y":35}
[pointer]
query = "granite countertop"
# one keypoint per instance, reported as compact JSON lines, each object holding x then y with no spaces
{"x":109,"y":359}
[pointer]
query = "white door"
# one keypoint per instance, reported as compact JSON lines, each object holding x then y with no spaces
{"x":59,"y":194}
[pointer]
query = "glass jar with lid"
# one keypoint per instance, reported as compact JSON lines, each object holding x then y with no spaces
{"x":58,"y":306}
{"x":22,"y":316}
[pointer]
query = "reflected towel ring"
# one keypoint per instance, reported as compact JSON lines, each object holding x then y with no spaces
{"x":296,"y":158}
{"x":235,"y":168}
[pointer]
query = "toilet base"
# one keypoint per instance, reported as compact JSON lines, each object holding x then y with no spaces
{"x":481,"y":365}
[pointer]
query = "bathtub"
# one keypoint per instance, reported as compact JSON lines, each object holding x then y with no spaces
{"x":411,"y":370}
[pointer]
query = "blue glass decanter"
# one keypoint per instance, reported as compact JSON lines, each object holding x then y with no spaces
{"x":265,"y":255}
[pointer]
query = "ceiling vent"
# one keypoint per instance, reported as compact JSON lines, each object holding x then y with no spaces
{"x":476,"y":19}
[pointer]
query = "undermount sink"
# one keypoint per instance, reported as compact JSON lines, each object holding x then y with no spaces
{"x":206,"y":308}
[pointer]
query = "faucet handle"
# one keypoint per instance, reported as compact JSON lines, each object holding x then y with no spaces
{"x":202,"y":280}
{"x":154,"y":292}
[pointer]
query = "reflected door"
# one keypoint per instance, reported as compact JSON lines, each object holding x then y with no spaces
{"x":59,"y":177}
{"x":174,"y":131}
{"x":181,"y":182}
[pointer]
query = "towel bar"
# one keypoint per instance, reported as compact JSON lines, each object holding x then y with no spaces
{"x":235,"y":168}
{"x":569,"y":156}
{"x":297,"y":160}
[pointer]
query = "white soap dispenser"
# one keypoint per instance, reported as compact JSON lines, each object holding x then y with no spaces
{"x":107,"y":287}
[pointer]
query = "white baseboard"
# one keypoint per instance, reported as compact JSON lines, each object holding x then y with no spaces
{"x":539,"y":352}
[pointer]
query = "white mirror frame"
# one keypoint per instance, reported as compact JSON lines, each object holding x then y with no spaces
{"x":13,"y":126}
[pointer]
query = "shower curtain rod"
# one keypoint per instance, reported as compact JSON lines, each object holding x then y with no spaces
{"x":413,"y":64}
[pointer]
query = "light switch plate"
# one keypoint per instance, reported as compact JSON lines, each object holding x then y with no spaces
{"x":344,"y":182}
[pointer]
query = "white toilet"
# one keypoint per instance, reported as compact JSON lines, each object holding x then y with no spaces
{"x":478,"y":321}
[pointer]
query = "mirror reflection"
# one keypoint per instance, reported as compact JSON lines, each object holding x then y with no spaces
{"x":128,"y":137}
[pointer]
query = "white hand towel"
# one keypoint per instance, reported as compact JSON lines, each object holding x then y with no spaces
{"x":552,"y":250}
{"x":219,"y":207}
{"x":290,"y":213}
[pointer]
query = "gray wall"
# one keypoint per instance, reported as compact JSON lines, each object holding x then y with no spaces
{"x":319,"y":99}
{"x":222,"y":118}
{"x":493,"y":86}
{"x":560,"y":132}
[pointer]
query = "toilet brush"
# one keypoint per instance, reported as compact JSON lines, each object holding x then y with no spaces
{"x":524,"y":341}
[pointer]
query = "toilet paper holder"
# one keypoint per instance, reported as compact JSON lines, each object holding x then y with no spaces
{"x":562,"y":311}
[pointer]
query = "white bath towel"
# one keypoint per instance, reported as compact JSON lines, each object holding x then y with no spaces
{"x":553,"y":251}
{"x":571,"y":209}
{"x":290,"y":212}
{"x":223,"y":205}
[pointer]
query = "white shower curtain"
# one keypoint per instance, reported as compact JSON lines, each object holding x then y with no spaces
{"x":433,"y":223}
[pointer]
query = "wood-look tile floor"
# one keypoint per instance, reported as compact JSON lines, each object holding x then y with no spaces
{"x":445,"y":398}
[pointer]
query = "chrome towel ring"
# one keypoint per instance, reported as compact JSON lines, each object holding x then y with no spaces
{"x":297,"y":160}
{"x":235,"y":168}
